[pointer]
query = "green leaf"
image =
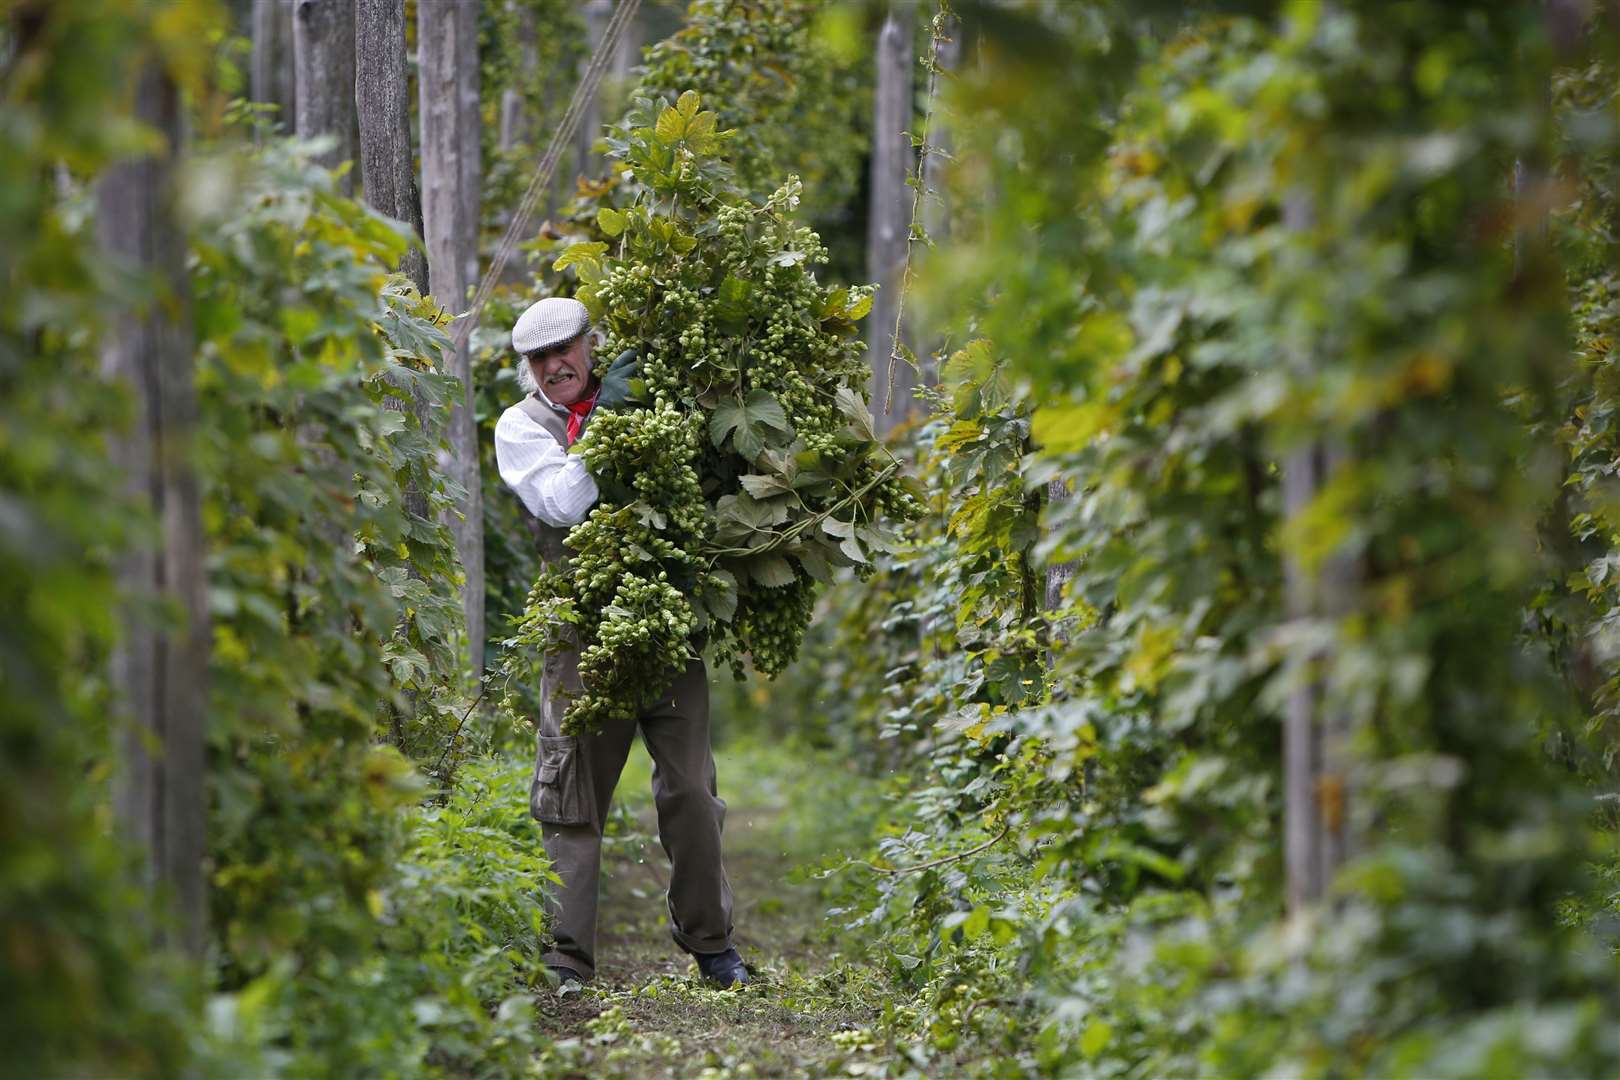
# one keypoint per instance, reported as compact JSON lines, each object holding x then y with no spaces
{"x":837,"y":529}
{"x":670,"y":127}
{"x":688,"y":104}
{"x":731,"y":304}
{"x":612,"y":222}
{"x":813,"y":557}
{"x":860,"y":417}
{"x":835,"y":304}
{"x":877,"y":539}
{"x":771,"y":571}
{"x":718,"y":595}
{"x":581,"y":255}
{"x":785,"y":462}
{"x":763,"y":487}
{"x":742,"y":519}
{"x":745,"y":422}
{"x":1061,"y":429}
{"x":1095,"y":1038}
{"x":700,"y":134}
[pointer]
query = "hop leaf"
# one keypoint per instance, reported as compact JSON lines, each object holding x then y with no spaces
{"x":746,"y":421}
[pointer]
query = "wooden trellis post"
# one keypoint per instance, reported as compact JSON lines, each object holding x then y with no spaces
{"x":597,"y":13}
{"x":889,"y":221}
{"x":271,"y":71}
{"x":516,"y":123}
{"x":936,"y":203}
{"x":160,"y":668}
{"x":447,"y":75}
{"x":323,"y":53}
{"x":381,"y":92}
{"x":1316,"y":766}
{"x":1316,"y":758}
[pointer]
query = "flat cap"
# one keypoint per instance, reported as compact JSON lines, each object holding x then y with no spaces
{"x":549,"y":322}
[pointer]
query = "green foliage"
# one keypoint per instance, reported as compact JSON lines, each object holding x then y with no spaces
{"x":794,"y":106}
{"x":530,"y":49}
{"x":445,"y":987}
{"x":335,"y":621}
{"x":79,"y":987}
{"x":615,"y":596}
{"x":754,"y":472}
{"x":797,"y":107}
{"x":1280,"y":242}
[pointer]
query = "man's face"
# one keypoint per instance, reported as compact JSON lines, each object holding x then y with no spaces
{"x":564,"y":371}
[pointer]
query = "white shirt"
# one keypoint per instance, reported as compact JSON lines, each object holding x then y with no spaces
{"x":553,"y":484}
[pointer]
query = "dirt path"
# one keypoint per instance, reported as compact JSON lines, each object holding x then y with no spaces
{"x":648,"y":1015}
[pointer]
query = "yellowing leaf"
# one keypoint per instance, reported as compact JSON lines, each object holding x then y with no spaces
{"x":1062,"y":429}
{"x":670,"y":127}
{"x":1095,"y":1038}
{"x":581,"y":256}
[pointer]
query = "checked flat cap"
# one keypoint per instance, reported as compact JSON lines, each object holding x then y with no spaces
{"x":549,"y":322}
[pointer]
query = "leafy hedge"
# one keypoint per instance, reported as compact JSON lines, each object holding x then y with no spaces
{"x":1243,"y":237}
{"x":355,"y":930}
{"x":79,"y":986}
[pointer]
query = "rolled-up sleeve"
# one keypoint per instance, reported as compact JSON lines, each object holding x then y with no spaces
{"x":553,"y":484}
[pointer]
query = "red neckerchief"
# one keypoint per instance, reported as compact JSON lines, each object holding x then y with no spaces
{"x":577,"y":412}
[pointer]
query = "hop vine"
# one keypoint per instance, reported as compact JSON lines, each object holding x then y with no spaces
{"x":745,"y":471}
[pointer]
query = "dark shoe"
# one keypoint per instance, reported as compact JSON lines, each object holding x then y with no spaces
{"x":725,"y":968}
{"x":568,"y":981}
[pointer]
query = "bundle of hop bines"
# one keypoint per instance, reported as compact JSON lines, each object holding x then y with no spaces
{"x":746,"y":470}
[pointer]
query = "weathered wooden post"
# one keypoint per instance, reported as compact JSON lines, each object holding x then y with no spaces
{"x":447,"y":75}
{"x":271,"y":69}
{"x":323,"y":54}
{"x":936,"y":203}
{"x":889,"y":220}
{"x":516,"y":125}
{"x":160,"y":668}
{"x":1316,"y":761}
{"x":597,"y":13}
{"x":387,"y":159}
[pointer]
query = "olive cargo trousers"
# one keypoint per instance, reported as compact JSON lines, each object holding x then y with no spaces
{"x":574,"y":778}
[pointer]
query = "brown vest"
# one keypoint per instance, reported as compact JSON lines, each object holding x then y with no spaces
{"x":549,"y":538}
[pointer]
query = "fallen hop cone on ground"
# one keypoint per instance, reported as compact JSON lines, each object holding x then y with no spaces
{"x":744,"y":469}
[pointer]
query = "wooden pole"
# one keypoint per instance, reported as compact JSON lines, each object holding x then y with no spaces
{"x":516,"y":123}
{"x":470,"y":128}
{"x":597,"y":13}
{"x":936,"y":202}
{"x":889,"y":219}
{"x":1316,"y":736}
{"x":271,"y":74}
{"x":160,"y":668}
{"x":323,"y":54}
{"x":381,"y":92}
{"x":449,"y":217}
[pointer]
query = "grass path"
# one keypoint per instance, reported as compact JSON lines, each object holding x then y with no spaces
{"x":647,"y":1014}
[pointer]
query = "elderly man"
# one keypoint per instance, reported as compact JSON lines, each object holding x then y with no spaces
{"x":574,"y":776}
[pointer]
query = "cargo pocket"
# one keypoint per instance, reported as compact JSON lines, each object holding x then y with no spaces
{"x":561,"y":792}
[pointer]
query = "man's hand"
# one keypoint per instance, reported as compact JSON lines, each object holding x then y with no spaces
{"x":616,"y":389}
